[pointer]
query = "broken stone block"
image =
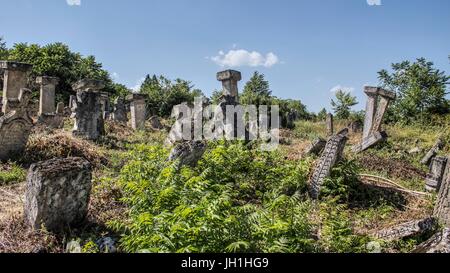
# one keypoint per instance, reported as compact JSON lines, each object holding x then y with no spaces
{"x":57,"y":193}
{"x":442,"y":207}
{"x":14,"y":79}
{"x":370,"y":141}
{"x":330,"y":126}
{"x":155,"y":123}
{"x":138,"y":109}
{"x":188,"y":153}
{"x":15,"y":128}
{"x":120,"y":112}
{"x":230,"y":79}
{"x":47,"y":94}
{"x":438,"y":243}
{"x":89,"y":123}
{"x":433,"y":152}
{"x":88,"y":85}
{"x":355,"y":127}
{"x":434,"y":178}
{"x":408,"y":229}
{"x":316,"y":147}
{"x":331,"y":155}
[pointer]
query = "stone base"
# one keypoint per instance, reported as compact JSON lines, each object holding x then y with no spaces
{"x":370,"y":141}
{"x":438,"y":243}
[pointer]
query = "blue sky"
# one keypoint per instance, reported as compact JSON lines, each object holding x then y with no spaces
{"x":304,"y":47}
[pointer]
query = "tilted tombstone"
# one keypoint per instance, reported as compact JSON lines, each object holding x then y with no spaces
{"x":138,"y":109}
{"x":330,"y":125}
{"x":316,"y":147}
{"x":57,"y":193}
{"x":442,"y":207}
{"x":432,"y":152}
{"x":15,"y":127}
{"x":47,"y":94}
{"x":377,"y":103}
{"x":436,"y":175}
{"x":120,"y":111}
{"x":331,"y":155}
{"x":89,"y":123}
{"x":188,"y":153}
{"x":14,"y":79}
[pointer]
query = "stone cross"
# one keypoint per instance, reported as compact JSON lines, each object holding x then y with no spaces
{"x":377,"y":103}
{"x":15,"y":78}
{"x":15,"y":127}
{"x":47,"y":94}
{"x":330,"y":126}
{"x":138,"y":111}
{"x":230,"y":79}
{"x":57,"y":193}
{"x":89,"y":123}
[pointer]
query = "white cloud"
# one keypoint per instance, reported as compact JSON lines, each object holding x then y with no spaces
{"x":374,"y":2}
{"x":343,"y":88}
{"x":137,"y":87}
{"x":242,"y":57}
{"x":73,"y":2}
{"x":115,"y":76}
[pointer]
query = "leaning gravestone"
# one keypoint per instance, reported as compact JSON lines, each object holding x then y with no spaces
{"x":89,"y":123}
{"x":442,"y":207}
{"x":377,"y":104}
{"x":436,"y":175}
{"x":331,"y":155}
{"x":14,"y":79}
{"x":432,"y":152}
{"x":15,"y":127}
{"x":57,"y":193}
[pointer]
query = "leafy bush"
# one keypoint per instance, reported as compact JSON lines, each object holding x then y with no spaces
{"x":10,"y":173}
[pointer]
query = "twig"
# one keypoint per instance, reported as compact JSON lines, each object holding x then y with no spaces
{"x":392,"y":183}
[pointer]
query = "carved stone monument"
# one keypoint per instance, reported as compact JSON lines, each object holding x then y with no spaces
{"x":120,"y":111}
{"x":14,"y":79}
{"x":47,"y":94}
{"x":330,"y":125}
{"x":138,"y":111}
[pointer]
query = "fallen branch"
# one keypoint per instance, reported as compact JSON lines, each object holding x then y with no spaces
{"x":389,"y":182}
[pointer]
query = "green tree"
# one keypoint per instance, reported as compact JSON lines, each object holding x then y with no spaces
{"x":322,"y":115}
{"x":3,"y":49}
{"x":342,"y":105}
{"x":256,"y":91}
{"x":420,"y":88}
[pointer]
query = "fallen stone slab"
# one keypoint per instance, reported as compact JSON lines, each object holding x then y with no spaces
{"x":316,"y":147}
{"x":57,"y":193}
{"x":436,"y":175}
{"x":188,"y":153}
{"x":408,"y":229}
{"x":426,"y":160}
{"x":370,"y":141}
{"x":438,"y":243}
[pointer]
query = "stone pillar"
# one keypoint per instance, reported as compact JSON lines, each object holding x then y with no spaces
{"x":89,"y":123}
{"x":434,"y":178}
{"x":15,"y":78}
{"x":47,"y":94}
{"x":138,"y":111}
{"x":57,"y":193}
{"x":104,"y":100}
{"x":330,"y":125}
{"x":230,"y":79}
{"x":442,"y":208}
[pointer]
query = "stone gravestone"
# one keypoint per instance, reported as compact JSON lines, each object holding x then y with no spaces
{"x":330,"y":125}
{"x":155,"y":123}
{"x":47,"y":94}
{"x":57,"y":193}
{"x":188,"y":153}
{"x":138,"y":109}
{"x":377,"y":104}
{"x":120,"y":112}
{"x":331,"y":155}
{"x":316,"y":147}
{"x":14,"y":79}
{"x":442,"y":208}
{"x":230,"y":94}
{"x":433,"y":152}
{"x":15,"y":127}
{"x":408,"y":229}
{"x":89,"y":123}
{"x":436,"y":175}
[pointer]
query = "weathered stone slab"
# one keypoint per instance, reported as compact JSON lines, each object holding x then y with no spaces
{"x":355,"y":127}
{"x":188,"y":153}
{"x":330,"y":125}
{"x":138,"y":109}
{"x":47,"y":94}
{"x":14,"y":79}
{"x":433,"y":152}
{"x":230,"y":79}
{"x":370,"y":141}
{"x":120,"y":111}
{"x":89,"y":123}
{"x":442,"y":207}
{"x":438,"y":243}
{"x":436,"y":175}
{"x":57,"y":193}
{"x":316,"y":147}
{"x":88,"y":85}
{"x":15,"y":128}
{"x":331,"y":155}
{"x":155,"y":123}
{"x":408,"y":229}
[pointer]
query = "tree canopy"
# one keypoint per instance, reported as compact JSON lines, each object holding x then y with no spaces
{"x":342,"y":105}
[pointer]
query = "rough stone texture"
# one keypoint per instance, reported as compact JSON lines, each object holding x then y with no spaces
{"x":316,"y":147}
{"x":57,"y":193}
{"x":434,"y":178}
{"x":330,"y":126}
{"x":355,"y":127}
{"x":89,"y":123}
{"x":88,"y":85}
{"x":47,"y":94}
{"x":120,"y":111}
{"x":408,"y":229}
{"x":155,"y":123}
{"x":138,"y":111}
{"x":14,"y":79}
{"x":432,"y":152}
{"x":230,"y":79}
{"x":60,"y":108}
{"x":189,"y":152}
{"x":442,"y":207}
{"x":331,"y":155}
{"x":15,"y":127}
{"x":377,"y":103}
{"x":438,"y":243}
{"x":105,"y":105}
